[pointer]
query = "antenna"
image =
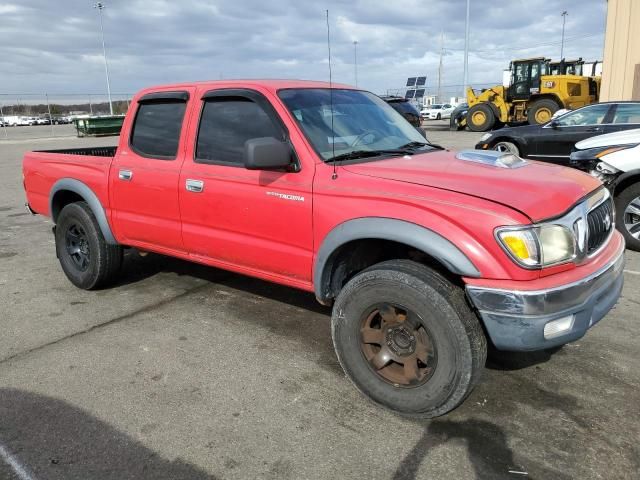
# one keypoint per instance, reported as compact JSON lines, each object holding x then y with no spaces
{"x":333,"y":133}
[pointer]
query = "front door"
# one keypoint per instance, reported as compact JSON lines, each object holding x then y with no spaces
{"x":145,"y":172}
{"x":253,"y":221}
{"x":558,"y":137}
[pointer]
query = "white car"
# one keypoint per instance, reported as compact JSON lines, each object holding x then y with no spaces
{"x":614,"y":158}
{"x":437,"y":111}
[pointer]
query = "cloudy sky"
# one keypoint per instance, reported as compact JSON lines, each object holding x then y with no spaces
{"x":54,"y":46}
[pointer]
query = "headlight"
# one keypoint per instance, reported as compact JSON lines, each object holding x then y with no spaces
{"x":598,"y":152}
{"x":484,"y":137}
{"x":538,"y":246}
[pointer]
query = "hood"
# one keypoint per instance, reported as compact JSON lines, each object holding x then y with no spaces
{"x":625,"y":137}
{"x":538,"y":190}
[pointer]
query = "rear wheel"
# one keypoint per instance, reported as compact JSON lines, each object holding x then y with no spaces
{"x":541,"y":111}
{"x":628,"y":215}
{"x":86,"y":258}
{"x":480,"y":118}
{"x":406,"y":338}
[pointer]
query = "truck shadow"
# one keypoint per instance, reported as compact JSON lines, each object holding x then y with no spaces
{"x":137,"y":268}
{"x":49,"y":438}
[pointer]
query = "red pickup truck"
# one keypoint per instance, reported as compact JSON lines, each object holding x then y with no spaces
{"x":425,"y":254}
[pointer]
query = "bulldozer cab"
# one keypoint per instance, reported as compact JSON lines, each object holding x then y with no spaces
{"x":525,"y":78}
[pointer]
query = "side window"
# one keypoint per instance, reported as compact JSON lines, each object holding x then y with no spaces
{"x":593,"y":115}
{"x":627,"y":113}
{"x":156,"y":129}
{"x":226,"y":124}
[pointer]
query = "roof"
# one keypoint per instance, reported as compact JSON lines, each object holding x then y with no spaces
{"x":269,"y":84}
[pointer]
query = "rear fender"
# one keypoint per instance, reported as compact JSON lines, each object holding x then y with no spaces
{"x":81,"y":189}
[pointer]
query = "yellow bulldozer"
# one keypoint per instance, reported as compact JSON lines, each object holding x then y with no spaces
{"x":536,"y":91}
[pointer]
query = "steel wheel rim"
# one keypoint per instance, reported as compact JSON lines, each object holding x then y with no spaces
{"x":397,"y":346}
{"x":543,"y":115}
{"x":77,"y":246}
{"x":478,"y":118}
{"x":632,"y":218}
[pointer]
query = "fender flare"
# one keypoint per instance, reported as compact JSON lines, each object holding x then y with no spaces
{"x":381,"y":228}
{"x":76,"y":186}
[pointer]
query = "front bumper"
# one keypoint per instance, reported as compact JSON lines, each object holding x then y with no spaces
{"x":516,"y":319}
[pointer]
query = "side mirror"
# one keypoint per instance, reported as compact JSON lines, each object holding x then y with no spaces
{"x":554,"y":124}
{"x":266,"y":153}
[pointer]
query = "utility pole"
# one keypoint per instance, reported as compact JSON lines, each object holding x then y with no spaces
{"x":440,"y":67}
{"x":564,"y":19}
{"x":355,"y":60}
{"x":465,"y":76}
{"x":100,"y":7}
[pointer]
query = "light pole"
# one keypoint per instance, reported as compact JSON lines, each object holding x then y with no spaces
{"x":355,"y":60}
{"x":100,"y":7}
{"x":465,"y":75}
{"x":564,"y":19}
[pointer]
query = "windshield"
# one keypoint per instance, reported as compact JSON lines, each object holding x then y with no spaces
{"x":361,"y":121}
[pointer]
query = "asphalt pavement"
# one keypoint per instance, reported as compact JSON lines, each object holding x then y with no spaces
{"x":187,"y":372}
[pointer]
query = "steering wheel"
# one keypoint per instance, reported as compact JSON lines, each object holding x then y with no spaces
{"x":363,"y":135}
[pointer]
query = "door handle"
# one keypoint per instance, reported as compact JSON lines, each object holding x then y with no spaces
{"x":125,"y":175}
{"x":195,"y":186}
{"x":594,"y":129}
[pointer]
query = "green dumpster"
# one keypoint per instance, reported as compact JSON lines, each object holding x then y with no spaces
{"x":97,"y":126}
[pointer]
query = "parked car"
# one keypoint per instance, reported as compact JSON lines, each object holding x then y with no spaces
{"x":405,"y":108}
{"x":426,"y":255}
{"x":614,"y":158}
{"x":458,"y":119}
{"x":437,"y":111}
{"x":553,"y":141}
{"x":43,"y":121}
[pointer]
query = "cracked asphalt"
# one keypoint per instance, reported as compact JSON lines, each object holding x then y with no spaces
{"x":187,"y":372}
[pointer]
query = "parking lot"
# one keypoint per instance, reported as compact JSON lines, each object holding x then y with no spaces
{"x":188,"y":372}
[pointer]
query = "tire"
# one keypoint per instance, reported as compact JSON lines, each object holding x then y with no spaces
{"x":438,"y":117}
{"x":541,"y":111}
{"x":457,"y":347}
{"x":95,"y":263}
{"x":504,"y":146}
{"x":480,"y":118}
{"x":627,"y":222}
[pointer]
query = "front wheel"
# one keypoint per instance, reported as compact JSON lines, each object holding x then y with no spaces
{"x":507,"y":147}
{"x":480,"y":118}
{"x":628,"y":215}
{"x":406,"y":338}
{"x":86,"y":258}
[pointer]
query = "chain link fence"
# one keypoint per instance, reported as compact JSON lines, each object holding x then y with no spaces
{"x":50,"y":115}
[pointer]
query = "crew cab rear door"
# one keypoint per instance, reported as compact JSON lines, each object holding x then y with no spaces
{"x":145,"y":172}
{"x":253,"y":221}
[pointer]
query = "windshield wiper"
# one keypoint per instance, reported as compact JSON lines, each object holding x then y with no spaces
{"x":421,"y":144}
{"x":354,"y":155}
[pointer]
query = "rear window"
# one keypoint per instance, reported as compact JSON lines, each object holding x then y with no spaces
{"x":627,"y":113}
{"x":404,"y":107}
{"x":156,"y":130}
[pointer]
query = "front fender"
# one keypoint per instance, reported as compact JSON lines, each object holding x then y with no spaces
{"x":421,"y":238}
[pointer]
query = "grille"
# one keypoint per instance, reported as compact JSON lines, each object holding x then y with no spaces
{"x":601,"y":222}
